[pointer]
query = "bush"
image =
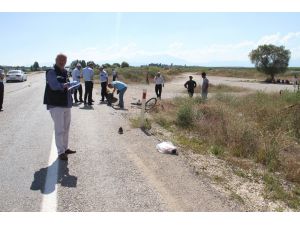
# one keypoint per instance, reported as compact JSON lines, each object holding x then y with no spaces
{"x":185,"y":115}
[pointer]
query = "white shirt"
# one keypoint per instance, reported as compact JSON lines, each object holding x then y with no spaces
{"x":76,"y":74}
{"x":159,"y":80}
{"x":103,"y":76}
{"x":88,"y":73}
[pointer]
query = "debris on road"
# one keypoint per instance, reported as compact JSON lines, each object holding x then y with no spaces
{"x":166,"y":148}
{"x":120,"y":131}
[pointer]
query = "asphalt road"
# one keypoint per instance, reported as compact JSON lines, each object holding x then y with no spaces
{"x":109,"y":172}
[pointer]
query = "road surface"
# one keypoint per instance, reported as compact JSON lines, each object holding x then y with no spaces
{"x":109,"y":172}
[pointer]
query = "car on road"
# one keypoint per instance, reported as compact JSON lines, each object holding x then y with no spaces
{"x":16,"y":75}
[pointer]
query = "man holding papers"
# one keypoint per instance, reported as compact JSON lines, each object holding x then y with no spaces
{"x":59,"y":102}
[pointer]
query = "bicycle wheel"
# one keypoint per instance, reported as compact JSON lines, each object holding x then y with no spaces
{"x":150,"y":103}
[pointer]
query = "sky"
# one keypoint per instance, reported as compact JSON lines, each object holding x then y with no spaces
{"x":202,"y":39}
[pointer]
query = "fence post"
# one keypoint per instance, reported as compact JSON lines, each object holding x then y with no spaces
{"x":143,"y":107}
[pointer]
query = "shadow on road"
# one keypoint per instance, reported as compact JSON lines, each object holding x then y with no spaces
{"x":87,"y":107}
{"x":58,"y":173}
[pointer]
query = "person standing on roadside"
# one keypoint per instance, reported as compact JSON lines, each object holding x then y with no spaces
{"x":190,"y":85}
{"x":1,"y":89}
{"x":114,"y":74}
{"x":121,"y":88}
{"x":205,"y":84}
{"x":59,"y":102}
{"x":76,"y":77}
{"x":88,"y":74}
{"x":103,"y":80}
{"x":159,"y":83}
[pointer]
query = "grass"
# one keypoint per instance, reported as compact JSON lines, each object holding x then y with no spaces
{"x":237,"y":197}
{"x":275,"y":191}
{"x":222,"y":88}
{"x":136,"y":123}
{"x":259,"y":127}
{"x":192,"y":143}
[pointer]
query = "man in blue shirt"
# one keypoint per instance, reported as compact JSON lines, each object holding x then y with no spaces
{"x":59,"y":102}
{"x":121,"y":87}
{"x":88,"y":75}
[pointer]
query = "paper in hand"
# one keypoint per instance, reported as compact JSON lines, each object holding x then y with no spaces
{"x":73,"y":85}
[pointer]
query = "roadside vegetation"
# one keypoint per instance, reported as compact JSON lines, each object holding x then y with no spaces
{"x":262,"y":128}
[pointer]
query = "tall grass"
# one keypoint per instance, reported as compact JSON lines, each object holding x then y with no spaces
{"x":259,"y":126}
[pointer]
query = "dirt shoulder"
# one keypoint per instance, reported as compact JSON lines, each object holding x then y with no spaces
{"x":241,"y":185}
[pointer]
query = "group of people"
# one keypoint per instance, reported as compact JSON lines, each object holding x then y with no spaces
{"x":107,"y":89}
{"x":58,"y":95}
{"x":190,"y":85}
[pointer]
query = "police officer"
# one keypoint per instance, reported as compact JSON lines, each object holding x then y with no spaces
{"x":76,"y":77}
{"x":59,"y":102}
{"x":103,"y":80}
{"x":88,"y":75}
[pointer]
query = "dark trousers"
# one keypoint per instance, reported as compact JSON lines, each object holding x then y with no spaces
{"x":158,"y":89}
{"x":114,"y":78}
{"x":88,"y":91}
{"x":191,"y":93}
{"x":1,"y":94}
{"x":79,"y":89}
{"x":109,"y":98}
{"x":103,"y":90}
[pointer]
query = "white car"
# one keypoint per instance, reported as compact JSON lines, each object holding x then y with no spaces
{"x":18,"y":75}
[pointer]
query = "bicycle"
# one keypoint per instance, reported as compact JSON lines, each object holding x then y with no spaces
{"x":149,"y":105}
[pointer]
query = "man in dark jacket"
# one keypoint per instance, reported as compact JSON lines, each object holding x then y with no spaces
{"x":59,"y":102}
{"x":190,"y":85}
{"x":1,"y":88}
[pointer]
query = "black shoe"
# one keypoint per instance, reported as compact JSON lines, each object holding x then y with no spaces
{"x":69,"y":151}
{"x":85,"y":103}
{"x":63,"y":156}
{"x":90,"y":104}
{"x":76,"y":101}
{"x":93,"y":100}
{"x":1,"y":110}
{"x":81,"y":100}
{"x":120,"y":130}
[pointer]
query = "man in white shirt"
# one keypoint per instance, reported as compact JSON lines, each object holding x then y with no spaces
{"x":88,"y":75}
{"x":205,"y":84}
{"x":159,"y":83}
{"x":76,"y":77}
{"x":103,"y":80}
{"x":114,"y":74}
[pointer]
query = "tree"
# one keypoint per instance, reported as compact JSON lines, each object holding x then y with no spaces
{"x":83,"y":63}
{"x":124,"y":64}
{"x":106,"y":65}
{"x":92,"y":63}
{"x":73,"y":64}
{"x":270,"y":59}
{"x":35,"y":66}
{"x":116,"y":65}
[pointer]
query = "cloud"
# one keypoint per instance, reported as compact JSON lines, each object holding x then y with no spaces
{"x":178,"y":52}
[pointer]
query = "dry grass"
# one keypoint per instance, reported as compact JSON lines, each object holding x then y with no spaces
{"x":222,"y":88}
{"x":263,"y":128}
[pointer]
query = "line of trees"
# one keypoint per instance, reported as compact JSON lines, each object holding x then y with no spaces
{"x":83,"y":63}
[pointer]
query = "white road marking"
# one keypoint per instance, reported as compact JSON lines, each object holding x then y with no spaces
{"x":49,"y":202}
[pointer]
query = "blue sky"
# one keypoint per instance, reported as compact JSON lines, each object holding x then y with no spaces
{"x":205,"y":39}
